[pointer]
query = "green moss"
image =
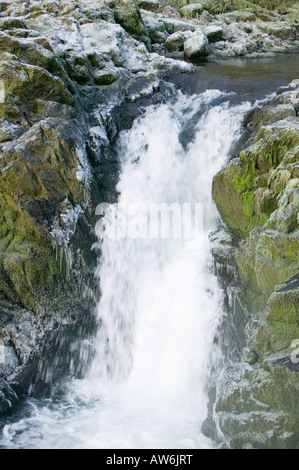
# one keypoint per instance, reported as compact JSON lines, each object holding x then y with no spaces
{"x":24,"y":82}
{"x":284,"y":307}
{"x":281,"y":6}
{"x":267,"y":259}
{"x":216,"y":7}
{"x":238,"y":188}
{"x":40,"y":168}
{"x":127,"y":14}
{"x":233,"y":193}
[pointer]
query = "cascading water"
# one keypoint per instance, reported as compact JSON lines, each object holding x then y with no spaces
{"x":160,"y":303}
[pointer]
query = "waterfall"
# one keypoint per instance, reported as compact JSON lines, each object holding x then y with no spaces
{"x":160,"y":304}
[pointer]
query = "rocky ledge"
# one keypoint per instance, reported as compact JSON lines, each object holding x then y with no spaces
{"x":257,"y":195}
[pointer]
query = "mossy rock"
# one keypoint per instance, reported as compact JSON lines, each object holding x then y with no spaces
{"x":266,"y":259}
{"x":34,"y":51}
{"x":12,"y":23}
{"x":193,"y":10}
{"x":241,"y":200}
{"x":38,"y":173}
{"x":242,"y":16}
{"x":269,"y":114}
{"x":149,"y":5}
{"x":24,"y":82}
{"x":259,"y":408}
{"x":127,"y":14}
{"x":279,"y":30}
{"x":234,"y":194}
{"x":215,"y":7}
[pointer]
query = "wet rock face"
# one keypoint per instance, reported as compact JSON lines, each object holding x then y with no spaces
{"x":257,"y":196}
{"x":8,"y":397}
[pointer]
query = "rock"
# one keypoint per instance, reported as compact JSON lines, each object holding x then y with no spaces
{"x":223,"y":247}
{"x":24,"y":82}
{"x":155,"y":28}
{"x":127,"y":14}
{"x":9,"y":131}
{"x":175,"y":41}
{"x":275,"y":338}
{"x":17,"y":8}
{"x":173,"y":25}
{"x":12,"y":23}
{"x":31,"y":51}
{"x":104,"y":77}
{"x":150,"y":5}
{"x":252,"y":408}
{"x":258,"y":408}
{"x":235,"y":187}
{"x":250,"y":356}
{"x":8,"y":397}
{"x":278,"y":30}
{"x":170,"y":12}
{"x":244,"y":16}
{"x":284,"y":303}
{"x":39,"y":166}
{"x":265,"y":259}
{"x":213,"y":33}
{"x":269,"y":114}
{"x":193,"y":10}
{"x":216,"y":7}
{"x":197,"y":45}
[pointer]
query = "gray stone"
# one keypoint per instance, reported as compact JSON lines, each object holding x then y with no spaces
{"x":173,"y":25}
{"x":175,"y":42}
{"x":105,"y":77}
{"x":197,"y":45}
{"x":127,"y":14}
{"x":213,"y":33}
{"x":8,"y":397}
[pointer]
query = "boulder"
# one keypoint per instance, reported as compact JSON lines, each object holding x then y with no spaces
{"x":172,"y":25}
{"x":213,"y":33}
{"x":175,"y":42}
{"x":215,"y":7}
{"x":235,"y":188}
{"x":127,"y":14}
{"x":8,"y":397}
{"x":279,"y":30}
{"x":155,"y":28}
{"x":197,"y":45}
{"x":24,"y":82}
{"x":149,"y":5}
{"x":193,"y":10}
{"x":258,"y":408}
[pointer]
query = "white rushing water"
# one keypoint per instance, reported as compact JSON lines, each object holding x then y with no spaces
{"x":160,"y":305}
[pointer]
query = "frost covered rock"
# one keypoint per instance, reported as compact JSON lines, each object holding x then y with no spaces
{"x":214,"y":33}
{"x":127,"y":14}
{"x":173,"y":25}
{"x":155,"y":28}
{"x":175,"y":42}
{"x":197,"y":45}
